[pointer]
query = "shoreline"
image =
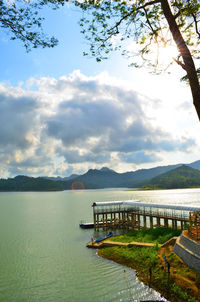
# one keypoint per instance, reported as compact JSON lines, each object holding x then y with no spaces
{"x":174,"y":287}
{"x":139,"y":274}
{"x":162,"y":189}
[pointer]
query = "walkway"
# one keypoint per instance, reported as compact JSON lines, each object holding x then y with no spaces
{"x":109,"y":243}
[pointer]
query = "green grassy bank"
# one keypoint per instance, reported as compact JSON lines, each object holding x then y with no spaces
{"x":181,"y":284}
{"x":156,"y":235}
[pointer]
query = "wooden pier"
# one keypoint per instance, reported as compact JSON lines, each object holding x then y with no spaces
{"x":137,"y":215}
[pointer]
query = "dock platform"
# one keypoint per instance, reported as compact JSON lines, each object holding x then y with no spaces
{"x":137,"y":215}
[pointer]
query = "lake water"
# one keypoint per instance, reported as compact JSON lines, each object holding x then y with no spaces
{"x":42,"y":249}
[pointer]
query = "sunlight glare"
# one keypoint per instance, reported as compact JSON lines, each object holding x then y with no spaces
{"x":166,"y":54}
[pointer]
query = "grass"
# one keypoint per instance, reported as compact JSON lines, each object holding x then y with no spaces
{"x":156,"y":235}
{"x":180,"y":286}
{"x":131,"y":256}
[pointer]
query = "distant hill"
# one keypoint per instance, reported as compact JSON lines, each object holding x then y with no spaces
{"x":98,"y":179}
{"x":107,"y":178}
{"x":195,"y":165}
{"x":59,"y":178}
{"x":181,"y":177}
{"x":93,"y":178}
{"x":25,"y":183}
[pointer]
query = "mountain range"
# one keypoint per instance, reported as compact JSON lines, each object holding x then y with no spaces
{"x":106,"y":178}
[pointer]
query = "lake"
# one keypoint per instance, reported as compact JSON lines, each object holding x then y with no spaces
{"x":42,"y":249}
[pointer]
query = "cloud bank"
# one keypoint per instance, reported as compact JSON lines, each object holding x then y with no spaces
{"x":70,"y":124}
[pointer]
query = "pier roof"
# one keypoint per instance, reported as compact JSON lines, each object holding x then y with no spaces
{"x":137,"y":203}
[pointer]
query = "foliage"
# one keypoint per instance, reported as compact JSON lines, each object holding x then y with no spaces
{"x":22,"y":21}
{"x":181,"y":177}
{"x":156,"y":235}
{"x":108,"y":25}
{"x":142,"y":259}
{"x":111,"y":25}
{"x":176,"y":291}
{"x":24,"y":183}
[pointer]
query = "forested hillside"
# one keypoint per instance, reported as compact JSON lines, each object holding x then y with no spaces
{"x":25,"y":183}
{"x":181,"y":177}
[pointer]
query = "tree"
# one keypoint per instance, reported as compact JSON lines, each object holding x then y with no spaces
{"x":22,"y":21}
{"x":108,"y":24}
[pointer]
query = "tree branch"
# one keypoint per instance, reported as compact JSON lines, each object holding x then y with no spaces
{"x":196,"y":25}
{"x":180,"y":63}
{"x":148,"y":4}
{"x":115,"y":27}
{"x":148,"y":22}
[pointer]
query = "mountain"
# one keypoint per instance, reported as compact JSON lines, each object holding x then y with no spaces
{"x":139,"y":177}
{"x":59,"y":178}
{"x":107,"y":178}
{"x":72,"y":176}
{"x":195,"y":165}
{"x":25,"y":183}
{"x":93,"y":178}
{"x":104,"y":178}
{"x":105,"y":169}
{"x":181,"y":177}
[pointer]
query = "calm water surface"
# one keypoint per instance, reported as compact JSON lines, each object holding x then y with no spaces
{"x":42,"y":249}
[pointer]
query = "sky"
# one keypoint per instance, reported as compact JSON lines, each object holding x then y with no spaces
{"x":64,"y":113}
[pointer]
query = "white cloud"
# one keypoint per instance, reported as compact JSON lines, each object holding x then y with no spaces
{"x":69,"y":124}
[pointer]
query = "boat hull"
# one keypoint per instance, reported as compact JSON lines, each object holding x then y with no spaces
{"x":86,"y":225}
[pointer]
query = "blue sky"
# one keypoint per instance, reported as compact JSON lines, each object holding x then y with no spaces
{"x":18,"y":65}
{"x":64,"y":113}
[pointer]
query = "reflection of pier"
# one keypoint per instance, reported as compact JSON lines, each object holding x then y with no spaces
{"x":135,"y":214}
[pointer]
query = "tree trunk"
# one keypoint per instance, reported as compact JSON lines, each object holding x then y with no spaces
{"x":185,"y":53}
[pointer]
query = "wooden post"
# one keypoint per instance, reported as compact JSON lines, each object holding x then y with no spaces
{"x":123,"y":218}
{"x":94,"y":216}
{"x":134,"y":220}
{"x":138,"y":221}
{"x":181,"y":224}
{"x":145,"y":221}
{"x":151,"y":222}
{"x":191,"y":219}
{"x":127,"y":219}
{"x":166,"y":224}
{"x":158,"y":221}
{"x":103,"y":222}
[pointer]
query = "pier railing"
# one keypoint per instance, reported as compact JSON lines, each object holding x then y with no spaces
{"x":140,"y":215}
